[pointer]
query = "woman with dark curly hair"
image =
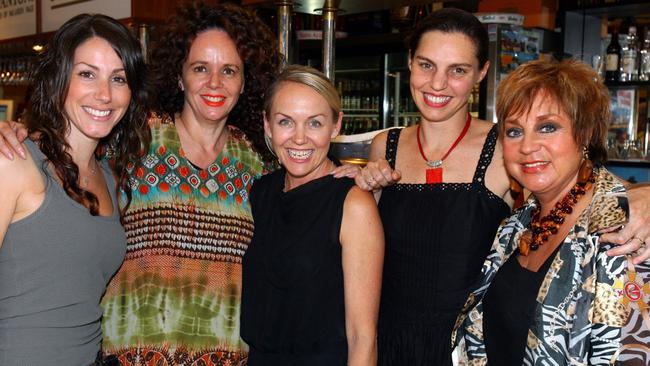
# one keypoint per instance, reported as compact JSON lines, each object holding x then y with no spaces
{"x":60,"y":232}
{"x":176,"y":298}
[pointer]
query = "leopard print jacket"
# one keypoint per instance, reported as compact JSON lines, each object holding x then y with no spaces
{"x":594,"y":313}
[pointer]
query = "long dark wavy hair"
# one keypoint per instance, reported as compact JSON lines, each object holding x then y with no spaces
{"x":256,"y":45}
{"x":46,"y":112}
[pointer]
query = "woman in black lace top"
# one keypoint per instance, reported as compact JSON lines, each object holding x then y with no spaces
{"x":441,"y":217}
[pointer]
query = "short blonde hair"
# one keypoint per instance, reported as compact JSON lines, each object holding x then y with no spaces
{"x":574,"y":86}
{"x":310,"y":77}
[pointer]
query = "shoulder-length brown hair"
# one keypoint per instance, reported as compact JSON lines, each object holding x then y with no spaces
{"x":574,"y":86}
{"x":46,"y":112}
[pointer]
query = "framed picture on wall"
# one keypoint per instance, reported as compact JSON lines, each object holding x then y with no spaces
{"x":6,"y":110}
{"x":624,"y":104}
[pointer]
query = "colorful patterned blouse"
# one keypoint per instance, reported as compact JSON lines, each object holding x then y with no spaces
{"x":176,"y":298}
{"x":591,"y":309}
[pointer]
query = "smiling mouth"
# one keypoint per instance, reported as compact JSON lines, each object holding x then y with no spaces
{"x":214,"y":100}
{"x":436,"y":101}
{"x":97,"y":112}
{"x":299,"y":154}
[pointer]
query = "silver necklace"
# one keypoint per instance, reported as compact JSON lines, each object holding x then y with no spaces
{"x":86,"y":179}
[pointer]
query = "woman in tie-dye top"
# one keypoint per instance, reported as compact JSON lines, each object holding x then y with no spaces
{"x":176,"y":298}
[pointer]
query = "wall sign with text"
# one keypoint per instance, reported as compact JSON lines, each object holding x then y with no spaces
{"x":57,"y":12}
{"x":17,"y":18}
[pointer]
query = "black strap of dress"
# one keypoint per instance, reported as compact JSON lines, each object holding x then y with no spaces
{"x":486,"y":156}
{"x":391,"y":145}
{"x":484,"y":161}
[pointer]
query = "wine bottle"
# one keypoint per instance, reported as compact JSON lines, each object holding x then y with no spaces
{"x":644,"y":64}
{"x":613,"y":59}
{"x":629,"y":60}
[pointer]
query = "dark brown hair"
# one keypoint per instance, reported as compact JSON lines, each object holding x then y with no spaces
{"x":574,"y":86}
{"x":451,"y":20}
{"x":46,"y":112}
{"x":256,"y":45}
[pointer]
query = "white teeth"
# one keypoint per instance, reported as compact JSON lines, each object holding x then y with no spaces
{"x":531,"y":165}
{"x":299,"y":154}
{"x":97,"y":112}
{"x":214,"y":99}
{"x":437,"y":100}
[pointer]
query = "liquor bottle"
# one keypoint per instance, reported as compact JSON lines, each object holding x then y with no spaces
{"x":629,"y":60}
{"x":644,"y":64}
{"x":612,"y":61}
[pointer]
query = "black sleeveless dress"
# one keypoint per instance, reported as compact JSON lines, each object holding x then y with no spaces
{"x":292,"y":309}
{"x":437,"y":238}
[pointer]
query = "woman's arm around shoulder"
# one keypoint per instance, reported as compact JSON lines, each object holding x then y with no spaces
{"x":377,"y":173}
{"x":362,"y":242}
{"x":12,"y":134}
{"x":635,"y":236}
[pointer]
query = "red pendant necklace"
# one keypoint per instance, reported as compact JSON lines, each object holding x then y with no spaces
{"x":434,"y":173}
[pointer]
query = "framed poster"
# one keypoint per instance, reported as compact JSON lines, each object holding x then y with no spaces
{"x":6,"y":110}
{"x":624,"y":105}
{"x":56,"y":12}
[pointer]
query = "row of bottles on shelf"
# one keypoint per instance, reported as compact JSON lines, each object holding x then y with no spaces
{"x":626,"y":150}
{"x":355,"y":125}
{"x":628,"y":59}
{"x":14,"y":69}
{"x":359,"y":94}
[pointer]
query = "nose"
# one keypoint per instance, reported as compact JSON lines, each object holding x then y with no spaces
{"x":529,"y":144}
{"x":215,"y":80}
{"x":299,"y":137}
{"x":103,"y":91}
{"x":439,"y":80}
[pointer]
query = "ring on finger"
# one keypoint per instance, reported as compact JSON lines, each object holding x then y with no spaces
{"x":639,"y":239}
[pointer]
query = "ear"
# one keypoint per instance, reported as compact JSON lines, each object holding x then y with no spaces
{"x":337,"y":125}
{"x":484,"y":71}
{"x":409,"y":63}
{"x":267,"y":125}
{"x":243,"y":84}
{"x":180,"y":84}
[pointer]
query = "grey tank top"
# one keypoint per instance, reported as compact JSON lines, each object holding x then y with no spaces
{"x":54,"y":267}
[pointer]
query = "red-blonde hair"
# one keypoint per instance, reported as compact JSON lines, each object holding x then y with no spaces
{"x":574,"y":86}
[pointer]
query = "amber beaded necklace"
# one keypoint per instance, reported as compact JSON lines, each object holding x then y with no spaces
{"x":542,"y":228}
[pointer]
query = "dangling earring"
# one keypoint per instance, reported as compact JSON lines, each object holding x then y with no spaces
{"x":515,"y":188}
{"x":267,"y":140}
{"x":586,"y":168}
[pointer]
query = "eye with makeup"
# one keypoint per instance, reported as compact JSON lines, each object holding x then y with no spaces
{"x":119,"y":79}
{"x":547,"y":127}
{"x":85,"y":74}
{"x":230,"y":71}
{"x":284,"y":122}
{"x":513,"y":132}
{"x":199,"y":69}
{"x":458,"y":72}
{"x":314,"y":123}
{"x":423,"y":65}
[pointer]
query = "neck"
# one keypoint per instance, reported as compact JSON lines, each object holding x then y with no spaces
{"x":206,"y":135}
{"x":82,"y":152}
{"x":438,"y":135}
{"x":547,"y":200}
{"x":291,"y":182}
